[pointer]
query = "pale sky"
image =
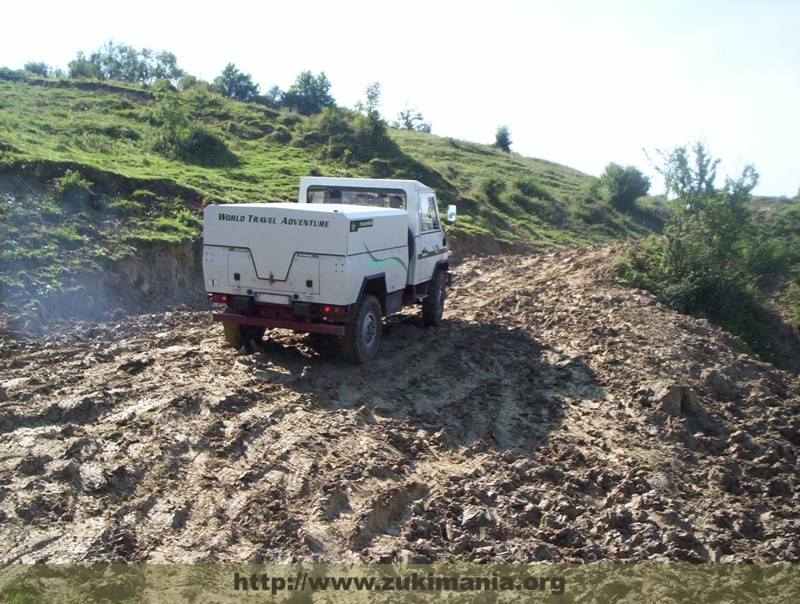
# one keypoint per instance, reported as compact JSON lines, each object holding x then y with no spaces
{"x":579,"y":82}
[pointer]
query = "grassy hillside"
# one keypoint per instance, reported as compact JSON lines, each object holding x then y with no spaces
{"x":91,"y":172}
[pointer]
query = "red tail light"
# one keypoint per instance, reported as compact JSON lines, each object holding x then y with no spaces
{"x":334,"y":312}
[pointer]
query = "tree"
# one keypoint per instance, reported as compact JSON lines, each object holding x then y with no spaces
{"x":165,"y":67}
{"x":236,"y":85}
{"x":704,"y":264}
{"x":172,"y":117}
{"x":309,"y":94}
{"x":373,"y":101}
{"x":84,"y":69}
{"x":623,"y":186}
{"x":502,"y":140}
{"x":126,"y":64}
{"x":706,"y":223}
{"x":273,"y":99}
{"x":39,"y":68}
{"x":187,"y":82}
{"x":120,"y":62}
{"x":411,"y":119}
{"x":369,"y":128}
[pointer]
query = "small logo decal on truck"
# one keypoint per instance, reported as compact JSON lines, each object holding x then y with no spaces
{"x":360,"y":224}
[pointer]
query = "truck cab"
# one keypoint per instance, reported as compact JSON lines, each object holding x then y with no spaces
{"x":427,"y":241}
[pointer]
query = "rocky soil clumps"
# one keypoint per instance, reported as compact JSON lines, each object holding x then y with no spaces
{"x":554,"y":416}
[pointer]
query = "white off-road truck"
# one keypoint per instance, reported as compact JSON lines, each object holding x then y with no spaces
{"x":351,"y":252}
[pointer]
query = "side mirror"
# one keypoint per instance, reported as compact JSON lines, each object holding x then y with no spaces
{"x":451,"y":214}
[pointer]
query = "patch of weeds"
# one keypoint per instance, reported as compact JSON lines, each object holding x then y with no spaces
{"x":281,"y":135}
{"x":148,"y":240}
{"x":128,"y":207}
{"x":68,"y":237}
{"x":144,"y":195}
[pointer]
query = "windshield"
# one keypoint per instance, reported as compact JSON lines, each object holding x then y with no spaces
{"x":381,"y":198}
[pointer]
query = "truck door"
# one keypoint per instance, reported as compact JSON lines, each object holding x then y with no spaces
{"x":429,"y":245}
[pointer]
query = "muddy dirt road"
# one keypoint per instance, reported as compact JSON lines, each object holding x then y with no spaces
{"x":554,"y":416}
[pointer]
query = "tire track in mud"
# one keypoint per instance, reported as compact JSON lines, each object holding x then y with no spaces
{"x":526,"y":428}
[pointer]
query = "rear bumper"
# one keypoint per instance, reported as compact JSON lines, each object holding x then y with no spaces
{"x":302,"y":326}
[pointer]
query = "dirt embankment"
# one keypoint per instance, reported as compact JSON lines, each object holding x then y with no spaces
{"x":554,"y":416}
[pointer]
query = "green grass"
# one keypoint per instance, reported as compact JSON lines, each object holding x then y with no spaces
{"x":85,"y":178}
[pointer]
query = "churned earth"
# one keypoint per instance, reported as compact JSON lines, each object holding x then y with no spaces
{"x":555,"y":415}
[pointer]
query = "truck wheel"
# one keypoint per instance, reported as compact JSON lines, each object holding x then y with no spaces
{"x":240,"y":335}
{"x":433,"y":304}
{"x":363,"y":334}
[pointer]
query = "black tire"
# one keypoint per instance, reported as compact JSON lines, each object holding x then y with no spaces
{"x":362,"y":335}
{"x":433,"y":304}
{"x":241,"y":335}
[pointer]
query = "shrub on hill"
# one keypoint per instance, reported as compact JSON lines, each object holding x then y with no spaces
{"x":712,"y":255}
{"x":72,"y":187}
{"x":502,"y":139}
{"x":177,"y":137}
{"x":623,"y":186}
{"x":345,"y":135}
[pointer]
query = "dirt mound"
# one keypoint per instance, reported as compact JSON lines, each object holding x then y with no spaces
{"x":553,"y":416}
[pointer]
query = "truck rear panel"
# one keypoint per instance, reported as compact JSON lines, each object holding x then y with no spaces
{"x":287,"y":253}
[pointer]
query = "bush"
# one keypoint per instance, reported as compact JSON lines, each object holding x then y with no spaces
{"x":201,"y":146}
{"x":291,"y":119}
{"x":281,"y":135}
{"x":709,"y":261}
{"x":729,"y":299}
{"x":590,"y":211}
{"x":345,"y":135}
{"x":179,"y":138}
{"x":623,"y":186}
{"x":491,"y":188}
{"x":765,"y":257}
{"x":73,"y":187}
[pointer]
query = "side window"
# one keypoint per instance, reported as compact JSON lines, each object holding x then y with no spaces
{"x":428,"y":214}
